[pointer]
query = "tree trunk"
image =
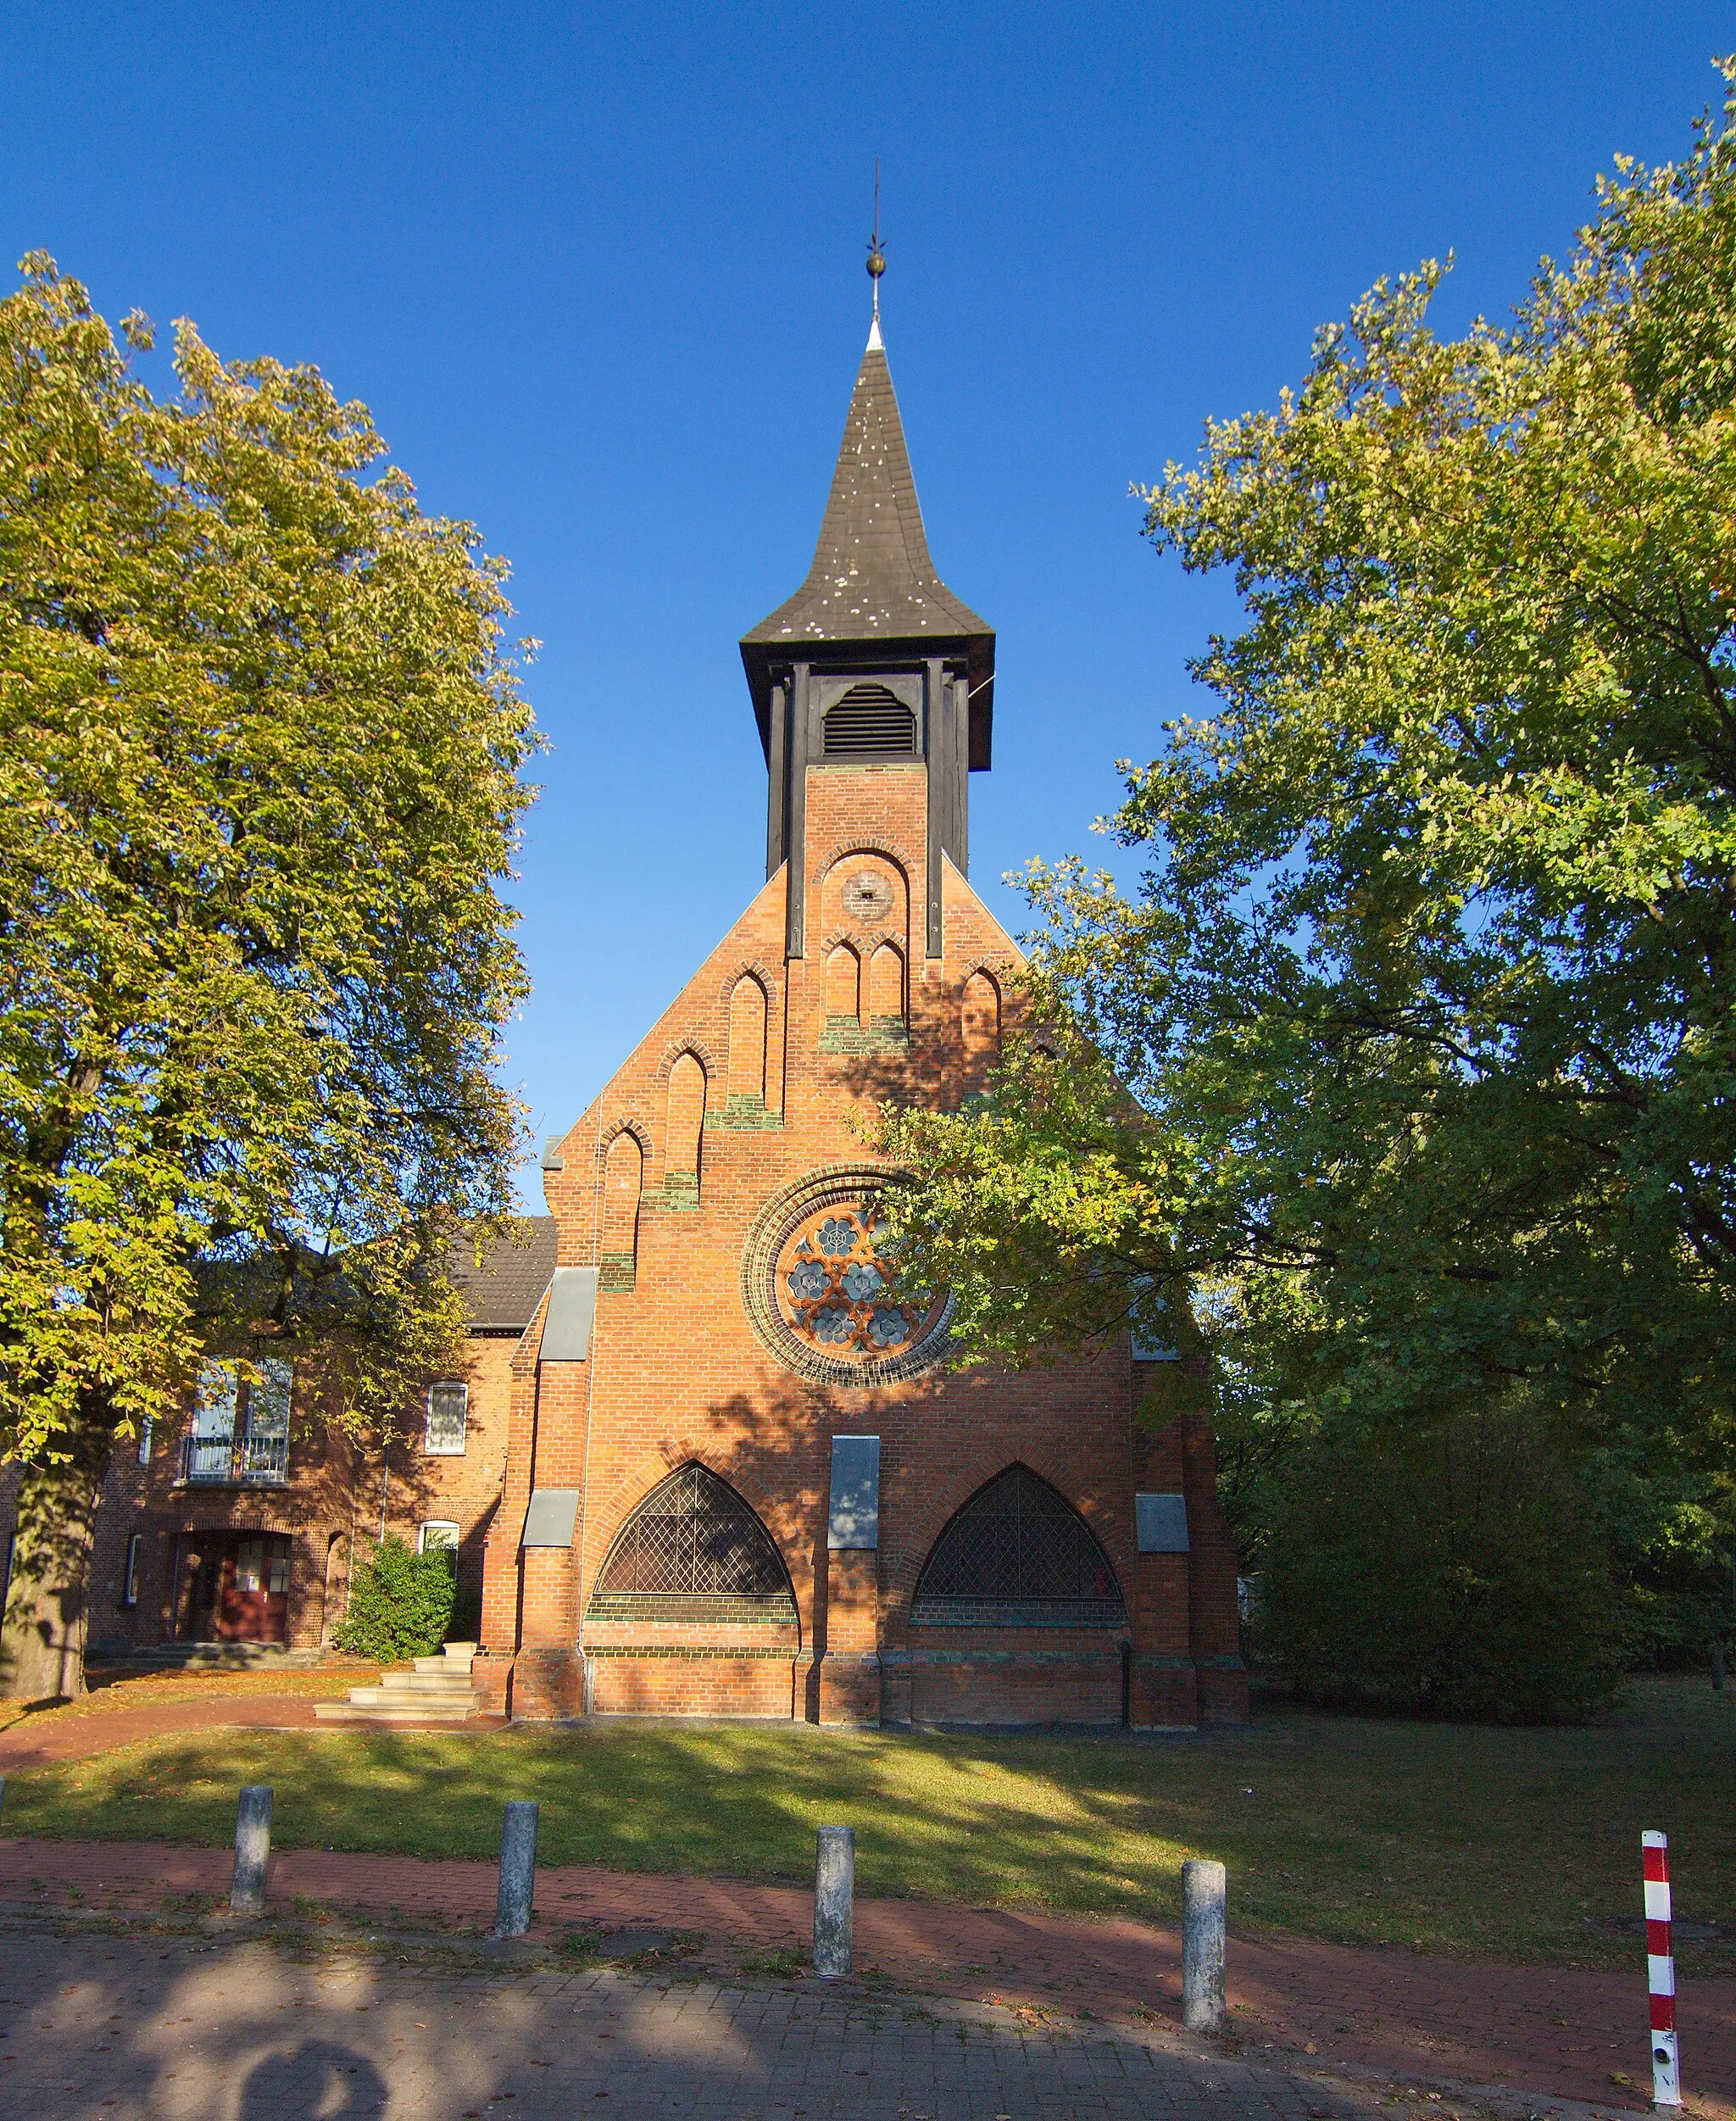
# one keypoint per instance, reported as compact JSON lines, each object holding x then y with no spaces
{"x":47,"y":1603}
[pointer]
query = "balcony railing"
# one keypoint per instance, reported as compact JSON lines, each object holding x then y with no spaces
{"x":234,"y":1461}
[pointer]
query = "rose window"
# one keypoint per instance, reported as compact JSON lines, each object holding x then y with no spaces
{"x":836,"y":1291}
{"x":823,"y":1290}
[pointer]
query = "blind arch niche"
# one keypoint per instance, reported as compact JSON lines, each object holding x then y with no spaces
{"x":1017,"y":1554}
{"x":693,"y":1551}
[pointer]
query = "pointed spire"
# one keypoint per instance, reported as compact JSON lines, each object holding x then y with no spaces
{"x":872,"y":578}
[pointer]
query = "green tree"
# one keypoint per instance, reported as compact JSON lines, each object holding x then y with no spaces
{"x":260,"y":749}
{"x":1413,"y":1057}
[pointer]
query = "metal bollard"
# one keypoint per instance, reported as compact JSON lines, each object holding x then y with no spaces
{"x":518,"y":1870}
{"x":1203,"y":1886}
{"x":1660,"y":1973}
{"x":834,"y":1901}
{"x":253,"y":1850}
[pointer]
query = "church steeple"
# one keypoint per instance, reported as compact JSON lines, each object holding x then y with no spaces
{"x":872,"y":630}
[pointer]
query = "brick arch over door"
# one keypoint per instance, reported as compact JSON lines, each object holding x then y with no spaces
{"x":693,"y":1551}
{"x":1017,"y":1554}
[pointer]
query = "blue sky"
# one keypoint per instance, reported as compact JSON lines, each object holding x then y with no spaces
{"x":597,"y":272}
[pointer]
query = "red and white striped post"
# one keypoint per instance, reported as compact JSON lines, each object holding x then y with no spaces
{"x":1661,"y":1971}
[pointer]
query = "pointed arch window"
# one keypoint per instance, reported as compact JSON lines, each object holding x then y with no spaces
{"x":980,"y":1030}
{"x":693,"y":1551}
{"x":1018,"y":1555}
{"x":886,"y":986}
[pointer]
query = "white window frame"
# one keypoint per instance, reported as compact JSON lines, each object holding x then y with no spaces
{"x":129,"y":1592}
{"x":440,"y":1546}
{"x":446,"y":1450}
{"x":145,"y":1441}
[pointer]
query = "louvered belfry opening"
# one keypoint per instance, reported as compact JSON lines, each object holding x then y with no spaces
{"x":871,"y":721}
{"x":1018,"y":1555}
{"x":693,"y":1550}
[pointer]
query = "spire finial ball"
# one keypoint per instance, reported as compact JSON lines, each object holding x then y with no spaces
{"x":876,"y":261}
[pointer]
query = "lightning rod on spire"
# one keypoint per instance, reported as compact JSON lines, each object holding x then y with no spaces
{"x":877,"y":257}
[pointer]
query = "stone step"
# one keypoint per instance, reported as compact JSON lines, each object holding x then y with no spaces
{"x":438,"y":1689}
{"x":397,"y":1711}
{"x":414,"y":1687}
{"x":409,"y":1700}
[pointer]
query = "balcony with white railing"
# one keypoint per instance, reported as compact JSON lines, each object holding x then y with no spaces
{"x":234,"y":1461}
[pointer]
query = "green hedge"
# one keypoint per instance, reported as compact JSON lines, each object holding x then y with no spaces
{"x":401,"y":1603}
{"x":1464,"y":1570}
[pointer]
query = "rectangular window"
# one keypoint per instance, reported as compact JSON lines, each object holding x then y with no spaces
{"x":129,"y":1596}
{"x":436,"y":1537}
{"x":210,"y":1447}
{"x":240,"y":1434}
{"x":265,"y":1455}
{"x":268,"y":1398}
{"x":277,"y":1580}
{"x":145,"y":1441}
{"x":448,"y":1403}
{"x":250,"y":1565}
{"x":215,"y":1414}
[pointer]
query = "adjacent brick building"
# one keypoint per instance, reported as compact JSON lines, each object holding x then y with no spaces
{"x":739,"y":1478}
{"x":242,"y":1524}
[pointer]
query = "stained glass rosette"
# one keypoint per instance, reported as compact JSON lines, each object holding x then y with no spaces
{"x":838,"y":1292}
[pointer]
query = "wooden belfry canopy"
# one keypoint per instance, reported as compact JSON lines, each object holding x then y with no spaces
{"x":872,"y":584}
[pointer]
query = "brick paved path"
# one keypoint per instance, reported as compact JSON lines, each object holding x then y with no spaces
{"x":1541,"y":2028}
{"x":154,"y":2029}
{"x":1544,"y":2029}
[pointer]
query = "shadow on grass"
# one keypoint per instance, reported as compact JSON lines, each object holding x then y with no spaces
{"x":1451,"y":1838}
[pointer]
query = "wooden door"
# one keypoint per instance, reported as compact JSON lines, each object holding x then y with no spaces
{"x":252,"y":1597}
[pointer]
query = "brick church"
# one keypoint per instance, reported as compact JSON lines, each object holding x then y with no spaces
{"x":698,"y":1455}
{"x":739,"y":1478}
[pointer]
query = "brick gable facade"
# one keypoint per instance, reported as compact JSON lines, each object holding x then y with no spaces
{"x":866,"y":967}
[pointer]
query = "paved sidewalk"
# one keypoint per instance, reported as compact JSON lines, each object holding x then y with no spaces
{"x":1533,"y":2029}
{"x":152,"y":2029}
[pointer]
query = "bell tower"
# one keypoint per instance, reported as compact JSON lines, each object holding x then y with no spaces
{"x":873,"y":660}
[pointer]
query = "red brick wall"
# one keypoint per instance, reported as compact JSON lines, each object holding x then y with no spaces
{"x":677,"y":1371}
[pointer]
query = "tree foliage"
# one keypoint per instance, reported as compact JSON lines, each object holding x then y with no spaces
{"x":1463,"y":1569}
{"x":1413,"y":1055}
{"x":260,"y":750}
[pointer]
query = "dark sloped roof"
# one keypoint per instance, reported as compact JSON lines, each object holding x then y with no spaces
{"x":502,"y":1294}
{"x":872,"y":578}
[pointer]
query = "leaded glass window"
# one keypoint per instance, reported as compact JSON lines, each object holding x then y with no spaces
{"x":1018,"y":1555}
{"x":836,"y":1291}
{"x":693,"y":1550}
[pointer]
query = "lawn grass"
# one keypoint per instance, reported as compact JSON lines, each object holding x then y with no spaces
{"x":1448,"y":1838}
